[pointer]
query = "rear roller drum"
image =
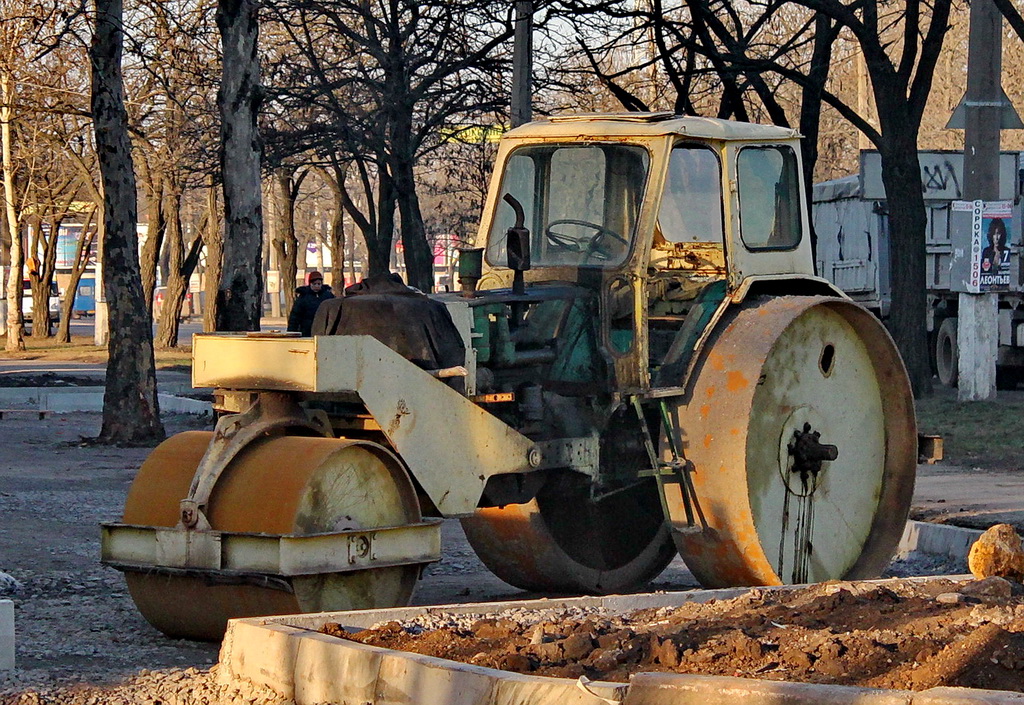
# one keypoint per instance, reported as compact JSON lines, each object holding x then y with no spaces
{"x":563,"y":541}
{"x":800,"y":427}
{"x":276,"y":485}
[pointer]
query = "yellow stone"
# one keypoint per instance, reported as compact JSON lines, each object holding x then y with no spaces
{"x":997,"y":552}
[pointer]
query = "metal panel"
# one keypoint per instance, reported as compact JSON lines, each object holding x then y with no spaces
{"x":126,"y":546}
{"x":450,"y":445}
{"x":853,"y":276}
{"x":249,"y":362}
{"x":941,"y":175}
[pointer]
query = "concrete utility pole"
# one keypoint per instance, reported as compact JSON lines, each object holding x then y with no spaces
{"x":522,"y":64}
{"x":978,"y":325}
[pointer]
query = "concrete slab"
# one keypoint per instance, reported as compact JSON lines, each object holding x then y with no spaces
{"x":288,"y":655}
{"x":937,"y":539}
{"x":690,"y":689}
{"x":967,"y":696}
{"x":6,"y":635}
{"x":62,"y":400}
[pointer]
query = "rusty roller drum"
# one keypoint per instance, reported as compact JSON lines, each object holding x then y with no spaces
{"x":276,"y":485}
{"x":785,"y":380}
{"x":562,"y":541}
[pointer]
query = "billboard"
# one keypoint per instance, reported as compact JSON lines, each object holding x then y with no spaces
{"x":983,"y":233}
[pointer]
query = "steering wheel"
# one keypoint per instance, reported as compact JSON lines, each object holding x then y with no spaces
{"x":591,"y":246}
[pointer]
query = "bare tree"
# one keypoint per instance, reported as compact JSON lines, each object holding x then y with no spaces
{"x":175,"y":117}
{"x":389,"y":82}
{"x":214,"y":247}
{"x":54,"y":191}
{"x":334,"y":179}
{"x":83,"y":249}
{"x":287,"y":184}
{"x":182,"y":262}
{"x":17,"y":32}
{"x":131,"y":412}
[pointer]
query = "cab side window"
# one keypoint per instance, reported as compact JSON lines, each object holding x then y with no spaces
{"x":769,"y":195}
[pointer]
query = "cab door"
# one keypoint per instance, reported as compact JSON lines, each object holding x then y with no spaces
{"x":767,"y":215}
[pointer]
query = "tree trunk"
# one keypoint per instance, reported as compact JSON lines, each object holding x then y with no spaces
{"x":131,"y":412}
{"x":336,"y":238}
{"x":378,"y":247}
{"x":176,"y":284}
{"x":15,"y":320}
{"x":338,"y":247}
{"x":901,"y":175}
{"x":154,"y":237}
{"x":240,"y":295}
{"x":419,"y":255}
{"x":285,"y":243}
{"x":214,"y":251}
{"x":41,"y":323}
{"x":81,"y":262}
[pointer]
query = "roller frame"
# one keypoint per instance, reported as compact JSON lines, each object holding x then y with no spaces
{"x":426,"y":421}
{"x":130,"y":547}
{"x":270,"y":413}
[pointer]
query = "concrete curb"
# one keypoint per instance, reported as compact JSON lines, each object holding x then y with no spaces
{"x":62,"y":400}
{"x":287,"y":655}
{"x":6,"y":635}
{"x":937,"y":539}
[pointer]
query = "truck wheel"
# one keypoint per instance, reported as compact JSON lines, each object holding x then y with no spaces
{"x":1007,"y":377}
{"x":946,"y":352}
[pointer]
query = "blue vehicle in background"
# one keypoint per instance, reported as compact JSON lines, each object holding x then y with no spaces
{"x":85,"y":298}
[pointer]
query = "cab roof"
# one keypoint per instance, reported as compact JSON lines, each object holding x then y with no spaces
{"x":649,"y":125}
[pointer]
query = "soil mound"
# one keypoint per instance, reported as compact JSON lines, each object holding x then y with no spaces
{"x":904,"y":634}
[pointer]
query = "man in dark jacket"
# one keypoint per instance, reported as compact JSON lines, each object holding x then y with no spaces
{"x":307,"y":300}
{"x":415,"y":326}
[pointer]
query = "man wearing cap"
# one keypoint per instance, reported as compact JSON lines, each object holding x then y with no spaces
{"x":307,"y":300}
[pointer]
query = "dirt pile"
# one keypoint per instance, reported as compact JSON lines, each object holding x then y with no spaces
{"x":902,"y":634}
{"x":189,"y":686}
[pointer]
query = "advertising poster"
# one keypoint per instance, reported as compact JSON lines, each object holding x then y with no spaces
{"x":991,"y":228}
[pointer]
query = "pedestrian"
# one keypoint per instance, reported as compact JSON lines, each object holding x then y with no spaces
{"x":307,"y":300}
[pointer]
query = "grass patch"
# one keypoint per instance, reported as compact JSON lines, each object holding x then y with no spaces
{"x":81,"y":349}
{"x":978,"y":433}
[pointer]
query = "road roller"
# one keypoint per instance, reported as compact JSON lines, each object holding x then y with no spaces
{"x":639,"y":362}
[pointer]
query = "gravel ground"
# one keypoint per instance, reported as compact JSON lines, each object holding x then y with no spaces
{"x":79,"y":639}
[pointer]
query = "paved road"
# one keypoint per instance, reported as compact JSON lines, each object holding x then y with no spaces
{"x":86,"y":327}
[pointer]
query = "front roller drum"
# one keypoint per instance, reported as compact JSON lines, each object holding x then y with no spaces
{"x":800,"y":428}
{"x":284,"y":485}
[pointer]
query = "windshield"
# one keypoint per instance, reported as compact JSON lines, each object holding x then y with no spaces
{"x":691,"y":207}
{"x":581,"y":203}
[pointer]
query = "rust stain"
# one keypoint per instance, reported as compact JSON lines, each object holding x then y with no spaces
{"x":736,"y":380}
{"x":401,"y":410}
{"x":734,"y":432}
{"x":716,"y":361}
{"x":708,"y":439}
{"x":705,"y":410}
{"x":711,"y":391}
